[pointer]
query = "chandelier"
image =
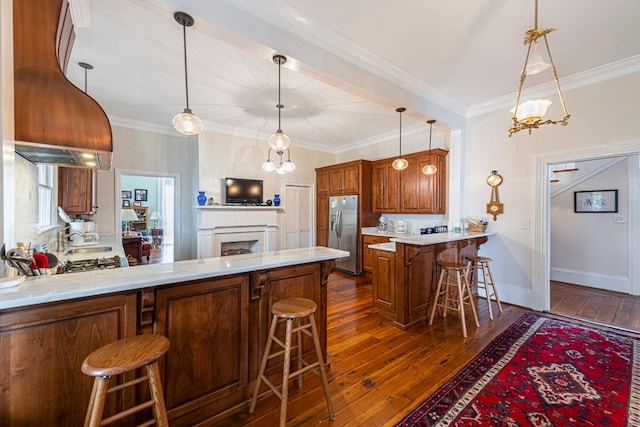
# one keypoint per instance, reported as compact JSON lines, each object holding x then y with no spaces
{"x":279,"y":141}
{"x":529,"y":114}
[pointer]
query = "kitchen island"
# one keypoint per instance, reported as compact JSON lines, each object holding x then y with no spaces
{"x":215,"y":312}
{"x":405,"y":271}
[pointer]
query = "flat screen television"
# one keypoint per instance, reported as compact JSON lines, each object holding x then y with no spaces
{"x":238,"y":191}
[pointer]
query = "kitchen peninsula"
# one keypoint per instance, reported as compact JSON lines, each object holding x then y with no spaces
{"x":405,"y":270}
{"x":215,"y":312}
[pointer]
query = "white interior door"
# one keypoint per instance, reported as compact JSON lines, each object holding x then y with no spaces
{"x":298,"y":216}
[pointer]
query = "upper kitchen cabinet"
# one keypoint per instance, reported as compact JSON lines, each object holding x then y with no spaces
{"x":385,"y":189}
{"x":422,"y":193}
{"x":76,"y":193}
{"x":322,"y":182}
{"x":409,"y":190}
{"x":345,"y":178}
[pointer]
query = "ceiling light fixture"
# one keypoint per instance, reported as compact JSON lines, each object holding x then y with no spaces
{"x":400,"y":163}
{"x":430,"y":169}
{"x":528,"y":115}
{"x":186,"y":122}
{"x":279,"y":141}
{"x":90,"y":159}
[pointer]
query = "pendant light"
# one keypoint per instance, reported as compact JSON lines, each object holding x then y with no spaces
{"x":528,"y":114}
{"x":400,"y":163}
{"x":279,"y":141}
{"x":90,"y":159}
{"x":186,"y":122}
{"x":430,"y":169}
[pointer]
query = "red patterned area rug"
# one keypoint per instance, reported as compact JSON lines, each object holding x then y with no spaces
{"x":542,"y":372}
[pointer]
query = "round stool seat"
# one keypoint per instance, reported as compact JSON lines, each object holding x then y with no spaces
{"x":292,"y":308}
{"x":453,"y":266}
{"x":125,"y":355}
{"x":479,"y":258}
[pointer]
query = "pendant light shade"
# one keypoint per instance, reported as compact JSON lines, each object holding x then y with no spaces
{"x":430,"y":169}
{"x":400,"y":163}
{"x":279,"y":141}
{"x":186,"y":122}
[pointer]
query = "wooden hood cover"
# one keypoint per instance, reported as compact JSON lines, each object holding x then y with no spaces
{"x":52,"y":115}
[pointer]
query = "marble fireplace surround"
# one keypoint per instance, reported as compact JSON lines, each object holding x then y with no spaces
{"x":253,"y":227}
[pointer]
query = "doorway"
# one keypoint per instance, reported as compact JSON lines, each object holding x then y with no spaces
{"x":153,"y":197}
{"x":297,"y":230}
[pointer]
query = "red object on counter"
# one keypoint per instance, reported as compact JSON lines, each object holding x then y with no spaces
{"x":41,"y":260}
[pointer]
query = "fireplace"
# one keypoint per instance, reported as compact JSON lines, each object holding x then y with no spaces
{"x":234,"y":230}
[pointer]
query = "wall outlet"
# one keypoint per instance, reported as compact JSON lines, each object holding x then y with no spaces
{"x":619,"y":219}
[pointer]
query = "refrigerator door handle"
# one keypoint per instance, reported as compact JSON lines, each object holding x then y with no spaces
{"x":339,"y":223}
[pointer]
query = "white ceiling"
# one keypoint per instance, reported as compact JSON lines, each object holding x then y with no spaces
{"x":351,"y":63}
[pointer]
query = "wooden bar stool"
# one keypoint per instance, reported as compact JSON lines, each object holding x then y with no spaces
{"x":454,"y":289}
{"x":477,"y":265}
{"x":117,"y":358}
{"x":287,"y":310}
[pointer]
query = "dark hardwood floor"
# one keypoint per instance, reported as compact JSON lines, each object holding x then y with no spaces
{"x":378,"y":373}
{"x":596,"y":305}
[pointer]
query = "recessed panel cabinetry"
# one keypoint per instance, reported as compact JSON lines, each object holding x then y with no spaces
{"x":409,"y":190}
{"x":367,"y":253}
{"x":345,"y":179}
{"x":76,"y":190}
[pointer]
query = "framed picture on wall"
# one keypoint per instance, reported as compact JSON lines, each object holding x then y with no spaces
{"x":126,"y":194}
{"x":600,"y":201}
{"x":126,"y":203}
{"x":140,"y":195}
{"x":137,"y":204}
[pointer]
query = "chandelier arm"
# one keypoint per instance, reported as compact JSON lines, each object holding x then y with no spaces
{"x":556,"y":80}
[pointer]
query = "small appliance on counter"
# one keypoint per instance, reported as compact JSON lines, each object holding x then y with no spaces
{"x":81,"y":233}
{"x":382,"y":224}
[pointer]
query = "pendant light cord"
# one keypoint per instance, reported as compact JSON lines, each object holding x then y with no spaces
{"x":85,"y":79}
{"x":280,"y":106}
{"x":186,"y":81}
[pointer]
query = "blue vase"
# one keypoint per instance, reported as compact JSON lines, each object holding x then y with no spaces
{"x":202,"y":199}
{"x":276,"y":200}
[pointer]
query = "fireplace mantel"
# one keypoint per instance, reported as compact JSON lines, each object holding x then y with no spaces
{"x":220,"y":224}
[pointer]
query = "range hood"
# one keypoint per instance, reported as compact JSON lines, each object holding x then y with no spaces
{"x":55,"y":122}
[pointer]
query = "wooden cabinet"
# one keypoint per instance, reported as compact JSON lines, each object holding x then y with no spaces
{"x":42,"y":350}
{"x":76,"y":190}
{"x":367,"y":253}
{"x":322,"y":182}
{"x":206,"y":368}
{"x":409,"y":190}
{"x":385,"y":187}
{"x":322,"y":220}
{"x":384,"y":282}
{"x":344,"y":179}
{"x":143,"y":219}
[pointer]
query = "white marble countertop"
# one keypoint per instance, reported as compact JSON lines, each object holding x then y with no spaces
{"x":425,"y":239}
{"x":43,"y":289}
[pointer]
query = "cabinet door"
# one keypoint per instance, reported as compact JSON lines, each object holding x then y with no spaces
{"x":207,"y":323}
{"x":42,"y":351}
{"x":322,"y":221}
{"x":367,"y":253}
{"x":322,"y":183}
{"x":384,"y":283}
{"x":75,"y":190}
{"x":431,"y":188}
{"x":336,"y":185}
{"x":350,"y":179}
{"x":410,"y":183}
{"x":385,"y":187}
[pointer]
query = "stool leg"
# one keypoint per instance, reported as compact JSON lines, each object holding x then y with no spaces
{"x":155,"y":387}
{"x":96,"y":404}
{"x":263,"y":364}
{"x":323,"y":374}
{"x":495,"y":290}
{"x":437,"y":297}
{"x":299,"y":341}
{"x":285,"y":374}
{"x":461,"y":303}
{"x":471,"y":303}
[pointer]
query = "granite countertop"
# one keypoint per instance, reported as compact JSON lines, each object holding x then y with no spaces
{"x":43,"y":289}
{"x":425,"y":239}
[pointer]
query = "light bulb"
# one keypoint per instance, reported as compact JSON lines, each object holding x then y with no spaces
{"x":280,"y":170}
{"x":279,"y":141}
{"x":268,"y":166}
{"x":187,"y":123}
{"x":536,"y":63}
{"x":289,"y":166}
{"x":531,"y":111}
{"x":429,"y":169}
{"x":400,"y":164}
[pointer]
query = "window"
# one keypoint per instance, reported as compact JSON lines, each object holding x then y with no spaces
{"x":45,"y":196}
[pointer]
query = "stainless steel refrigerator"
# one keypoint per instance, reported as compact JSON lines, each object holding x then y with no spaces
{"x":343,"y":231}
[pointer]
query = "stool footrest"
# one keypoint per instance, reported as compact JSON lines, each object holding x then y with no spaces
{"x":128,"y":383}
{"x":127,"y":412}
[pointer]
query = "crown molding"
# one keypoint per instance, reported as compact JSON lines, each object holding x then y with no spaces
{"x":80,"y":13}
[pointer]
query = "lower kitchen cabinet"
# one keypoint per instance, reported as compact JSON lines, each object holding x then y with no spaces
{"x":41,"y":351}
{"x":384,"y":282}
{"x":367,"y":253}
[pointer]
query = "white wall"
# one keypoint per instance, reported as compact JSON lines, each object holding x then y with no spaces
{"x":590,"y":248}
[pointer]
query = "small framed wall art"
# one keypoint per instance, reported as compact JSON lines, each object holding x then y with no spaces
{"x":126,"y":203}
{"x":126,"y":194}
{"x":140,"y":195}
{"x":599,"y":201}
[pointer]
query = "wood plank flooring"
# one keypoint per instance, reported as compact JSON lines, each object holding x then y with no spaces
{"x":378,"y":373}
{"x":596,"y":305}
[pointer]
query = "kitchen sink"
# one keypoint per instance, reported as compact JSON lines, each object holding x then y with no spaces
{"x":88,"y":250}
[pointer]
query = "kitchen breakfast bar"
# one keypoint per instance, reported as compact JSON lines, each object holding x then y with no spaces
{"x":215,"y":312}
{"x":405,"y":270}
